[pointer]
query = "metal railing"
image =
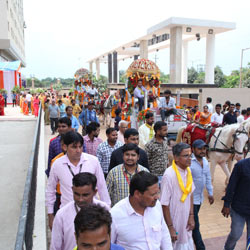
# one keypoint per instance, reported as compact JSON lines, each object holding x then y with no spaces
{"x":24,"y":239}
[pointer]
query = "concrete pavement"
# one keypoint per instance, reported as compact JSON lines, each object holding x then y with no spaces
{"x":16,"y":138}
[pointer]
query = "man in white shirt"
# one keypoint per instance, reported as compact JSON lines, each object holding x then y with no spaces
{"x":217,"y":117}
{"x":123,"y":125}
{"x":241,"y":117}
{"x":138,"y":221}
{"x":210,"y":105}
{"x":84,"y":190}
{"x":28,"y":98}
{"x":92,"y":91}
{"x":167,"y":105}
{"x":146,"y":131}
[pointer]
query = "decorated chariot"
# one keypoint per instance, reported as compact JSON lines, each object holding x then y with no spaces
{"x":149,"y":73}
{"x":83,"y":83}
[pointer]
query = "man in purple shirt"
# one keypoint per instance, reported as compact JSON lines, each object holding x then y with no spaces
{"x":84,"y":190}
{"x":66,"y":167}
{"x":139,"y":93}
{"x":92,"y":229}
{"x":91,"y":140}
{"x":64,"y":125}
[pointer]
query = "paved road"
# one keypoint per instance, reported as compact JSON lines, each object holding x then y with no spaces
{"x":16,"y":138}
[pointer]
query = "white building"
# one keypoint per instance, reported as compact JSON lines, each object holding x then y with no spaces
{"x":12,"y":31}
{"x":174,"y":34}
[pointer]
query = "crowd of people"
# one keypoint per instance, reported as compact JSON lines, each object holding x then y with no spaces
{"x":136,"y":189}
{"x":128,"y":192}
{"x":225,"y":114}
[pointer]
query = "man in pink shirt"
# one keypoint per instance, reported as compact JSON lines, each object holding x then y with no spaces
{"x":84,"y":190}
{"x":66,"y":167}
{"x":91,"y":140}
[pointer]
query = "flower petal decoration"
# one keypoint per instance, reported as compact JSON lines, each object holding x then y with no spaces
{"x":146,"y":67}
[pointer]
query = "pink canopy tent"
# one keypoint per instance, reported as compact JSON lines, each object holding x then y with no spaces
{"x":10,"y":77}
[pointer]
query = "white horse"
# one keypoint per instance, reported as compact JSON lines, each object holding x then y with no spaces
{"x":226,"y":143}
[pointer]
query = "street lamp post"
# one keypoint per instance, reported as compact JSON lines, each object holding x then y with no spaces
{"x":241,"y":66}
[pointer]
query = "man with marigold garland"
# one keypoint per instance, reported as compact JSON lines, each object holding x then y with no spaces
{"x":177,"y":198}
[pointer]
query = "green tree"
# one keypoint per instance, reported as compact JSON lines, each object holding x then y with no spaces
{"x":232,"y":81}
{"x":122,"y":76}
{"x":219,"y":77}
{"x":101,"y":83}
{"x":164,"y":78}
{"x":68,"y":82}
{"x":58,"y":86}
{"x":192,"y":75}
{"x":246,"y":76}
{"x":37,"y":83}
{"x":200,"y":77}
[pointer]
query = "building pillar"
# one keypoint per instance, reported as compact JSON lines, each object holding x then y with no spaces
{"x":175,"y":54}
{"x":97,"y":64}
{"x":91,"y":67}
{"x":210,"y":51}
{"x":184,"y":67}
{"x":144,"y":49}
{"x":110,"y":68}
{"x":115,"y":67}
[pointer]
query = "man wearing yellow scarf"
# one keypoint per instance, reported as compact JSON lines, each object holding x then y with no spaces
{"x":146,"y":131}
{"x":177,"y":199}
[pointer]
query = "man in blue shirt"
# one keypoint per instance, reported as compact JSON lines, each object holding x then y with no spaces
{"x":201,"y":178}
{"x":87,"y":116}
{"x":230,"y":117}
{"x":237,"y":202}
{"x":74,"y":121}
{"x":92,"y":229}
{"x":14,"y":99}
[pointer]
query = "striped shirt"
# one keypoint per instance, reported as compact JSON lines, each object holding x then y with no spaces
{"x":118,"y":184}
{"x":104,"y":152}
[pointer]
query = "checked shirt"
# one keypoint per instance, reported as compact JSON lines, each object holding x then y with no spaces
{"x":118,"y":184}
{"x":104,"y":152}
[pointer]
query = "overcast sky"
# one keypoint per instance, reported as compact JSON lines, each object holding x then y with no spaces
{"x":62,"y":35}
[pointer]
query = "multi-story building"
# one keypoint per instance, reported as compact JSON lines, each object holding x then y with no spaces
{"x":12,"y":31}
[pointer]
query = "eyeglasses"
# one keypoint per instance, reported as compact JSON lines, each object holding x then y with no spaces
{"x":186,"y":156}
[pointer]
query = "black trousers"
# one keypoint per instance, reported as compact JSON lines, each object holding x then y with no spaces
{"x":53,"y":124}
{"x":29,"y":105}
{"x":14,"y":102}
{"x":165,"y":113}
{"x":141,"y":103}
{"x":199,"y":244}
